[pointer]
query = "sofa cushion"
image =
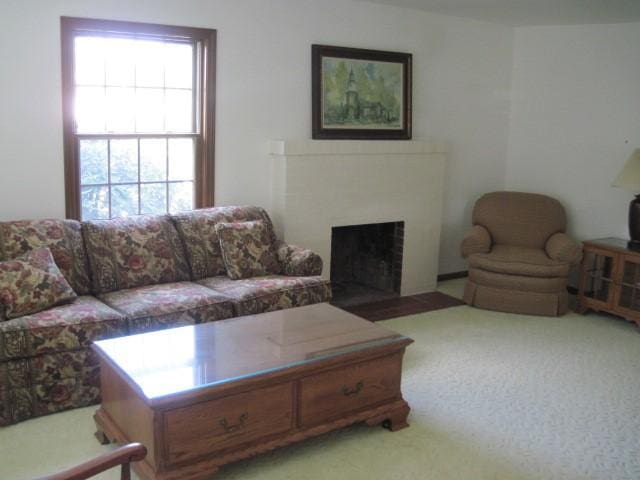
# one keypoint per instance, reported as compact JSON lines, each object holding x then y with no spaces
{"x":132,"y":252}
{"x":198,"y":232}
{"x":168,"y":305}
{"x":62,"y":237}
{"x":59,"y":329}
{"x":248,"y":249}
{"x":519,"y":261}
{"x":272,"y":292}
{"x":32,"y":283}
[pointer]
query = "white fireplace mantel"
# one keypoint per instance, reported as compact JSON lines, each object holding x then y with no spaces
{"x":320,"y":184}
{"x":295,"y":148}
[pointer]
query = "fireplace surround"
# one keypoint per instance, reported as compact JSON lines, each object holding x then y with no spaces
{"x":318,"y":185}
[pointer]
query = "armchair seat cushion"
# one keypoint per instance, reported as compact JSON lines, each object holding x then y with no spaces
{"x":516,"y":260}
{"x":271,"y":292}
{"x":60,"y":329}
{"x":167,"y":305}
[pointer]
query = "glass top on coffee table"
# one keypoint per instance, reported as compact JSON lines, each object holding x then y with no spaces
{"x":181,"y":359}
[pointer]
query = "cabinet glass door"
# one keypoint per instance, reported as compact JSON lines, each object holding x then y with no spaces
{"x":598,"y":276}
{"x":629,"y":296}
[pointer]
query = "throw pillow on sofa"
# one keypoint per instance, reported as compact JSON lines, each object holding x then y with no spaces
{"x":247,"y":249}
{"x":32,"y":283}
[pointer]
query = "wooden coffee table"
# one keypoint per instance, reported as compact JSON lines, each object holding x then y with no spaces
{"x":202,"y":396}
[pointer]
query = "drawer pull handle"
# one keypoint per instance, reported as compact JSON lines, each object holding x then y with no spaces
{"x":347,"y":392}
{"x":234,"y":428}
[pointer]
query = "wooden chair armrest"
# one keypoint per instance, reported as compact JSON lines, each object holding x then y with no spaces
{"x":133,"y":452}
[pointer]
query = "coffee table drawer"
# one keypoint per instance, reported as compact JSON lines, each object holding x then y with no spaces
{"x":222,"y":423}
{"x":346,"y":389}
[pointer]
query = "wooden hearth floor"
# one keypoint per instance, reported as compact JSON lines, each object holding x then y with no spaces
{"x":401,"y":306}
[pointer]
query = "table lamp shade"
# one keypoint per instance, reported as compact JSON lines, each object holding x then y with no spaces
{"x":629,"y":177}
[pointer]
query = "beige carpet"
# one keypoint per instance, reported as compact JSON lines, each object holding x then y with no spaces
{"x":493,"y":396}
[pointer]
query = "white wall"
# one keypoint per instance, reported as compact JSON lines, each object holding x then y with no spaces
{"x":461,"y":80}
{"x":575,"y":120}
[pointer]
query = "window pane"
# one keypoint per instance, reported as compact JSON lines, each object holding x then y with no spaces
{"x":149,"y":63}
{"x":124,"y":161}
{"x":89,"y":60}
{"x":150,"y":110}
{"x":178,"y":110}
{"x":153,"y":198}
{"x":120,"y":62}
{"x":153,"y":160}
{"x":124,"y":200}
{"x":179,"y":65}
{"x":137,"y":103}
{"x":94,"y":161}
{"x":181,"y":159}
{"x":180,"y":196}
{"x":120,"y":109}
{"x":95,"y":203}
{"x":90,"y":109}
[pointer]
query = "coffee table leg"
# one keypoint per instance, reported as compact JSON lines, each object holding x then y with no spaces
{"x":102,"y":438}
{"x":393,"y":420}
{"x":100,"y":435}
{"x":397,"y":421}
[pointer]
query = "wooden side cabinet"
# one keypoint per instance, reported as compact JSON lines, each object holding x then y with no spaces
{"x":610,"y":279}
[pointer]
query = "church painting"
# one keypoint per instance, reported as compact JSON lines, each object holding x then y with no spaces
{"x":360,"y":93}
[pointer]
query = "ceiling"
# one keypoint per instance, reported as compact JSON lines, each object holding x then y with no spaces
{"x":520,"y":13}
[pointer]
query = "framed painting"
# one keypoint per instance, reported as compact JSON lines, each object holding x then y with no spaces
{"x":360,"y":94}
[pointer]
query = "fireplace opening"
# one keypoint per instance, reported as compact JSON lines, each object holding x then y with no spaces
{"x":366,"y":262}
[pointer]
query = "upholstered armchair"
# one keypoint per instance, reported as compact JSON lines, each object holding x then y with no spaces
{"x":519,"y":255}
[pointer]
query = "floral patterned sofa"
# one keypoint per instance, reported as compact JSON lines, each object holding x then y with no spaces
{"x":133,"y":275}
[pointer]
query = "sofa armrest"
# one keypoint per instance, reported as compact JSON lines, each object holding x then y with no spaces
{"x":476,"y":240}
{"x":297,"y":261}
{"x":563,"y":248}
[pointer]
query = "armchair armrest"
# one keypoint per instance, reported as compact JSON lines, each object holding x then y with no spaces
{"x":297,"y":261}
{"x":133,"y":452}
{"x":563,"y":248}
{"x":476,"y":240}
